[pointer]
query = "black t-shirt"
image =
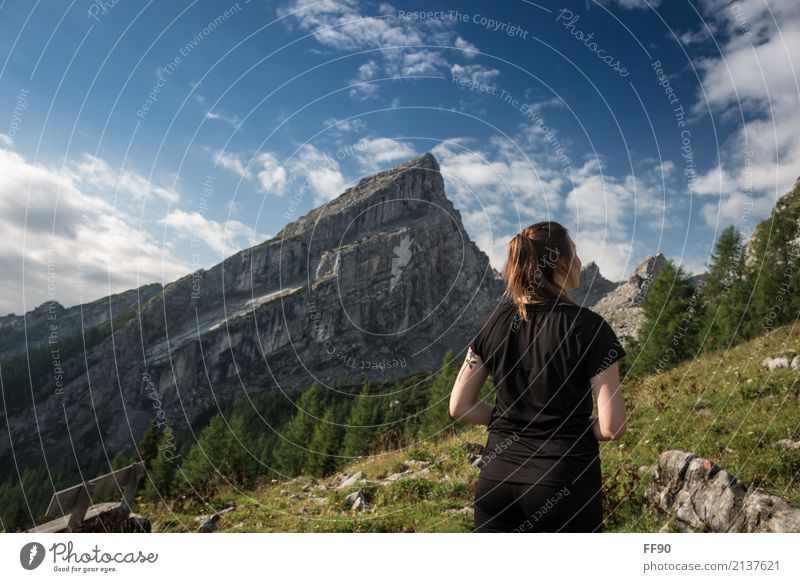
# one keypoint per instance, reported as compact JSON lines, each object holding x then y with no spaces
{"x":539,"y":429}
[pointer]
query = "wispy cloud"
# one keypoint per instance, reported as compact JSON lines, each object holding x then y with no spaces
{"x":408,"y":45}
{"x":309,"y":165}
{"x":231,"y":120}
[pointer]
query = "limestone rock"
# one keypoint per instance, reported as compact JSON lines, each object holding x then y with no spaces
{"x":774,"y":363}
{"x":356,"y":500}
{"x":352,"y":479}
{"x":701,"y":496}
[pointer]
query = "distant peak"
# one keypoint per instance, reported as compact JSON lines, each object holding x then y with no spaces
{"x":650,"y":266}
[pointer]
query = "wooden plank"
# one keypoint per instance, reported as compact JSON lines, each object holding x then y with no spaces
{"x":62,"y":501}
{"x":55,"y":526}
{"x":62,"y":523}
{"x":101,"y":508}
{"x":118,"y":480}
{"x":79,"y":507}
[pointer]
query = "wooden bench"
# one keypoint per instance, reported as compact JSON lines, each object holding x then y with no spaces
{"x":74,"y":504}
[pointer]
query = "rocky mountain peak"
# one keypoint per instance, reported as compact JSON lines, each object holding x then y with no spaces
{"x":592,"y":287}
{"x":380,"y":197}
{"x":618,"y":301}
{"x":376,"y":284}
{"x":649,"y":267}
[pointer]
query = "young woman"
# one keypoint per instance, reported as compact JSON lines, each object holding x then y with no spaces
{"x":547,"y":355}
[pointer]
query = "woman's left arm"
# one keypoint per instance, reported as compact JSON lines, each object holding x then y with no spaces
{"x":464,"y":399}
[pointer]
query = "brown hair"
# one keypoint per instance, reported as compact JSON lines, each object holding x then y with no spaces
{"x":534,"y":256}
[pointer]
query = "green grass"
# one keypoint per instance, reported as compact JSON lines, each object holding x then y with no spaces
{"x":721,"y":406}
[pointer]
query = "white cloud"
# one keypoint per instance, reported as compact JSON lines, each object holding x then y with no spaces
{"x":754,"y":78}
{"x":362,"y":88}
{"x":91,"y":247}
{"x":321,"y":171}
{"x":466,"y":46}
{"x":476,"y":73}
{"x":271,"y":175}
{"x":355,"y":124}
{"x":224,"y":238}
{"x":231,"y":162}
{"x":342,"y":26}
{"x":6,"y":139}
{"x":231,"y":120}
{"x":374,"y":154}
{"x":600,"y":200}
{"x":96,"y":173}
{"x":611,"y":252}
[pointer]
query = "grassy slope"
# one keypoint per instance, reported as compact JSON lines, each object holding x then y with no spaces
{"x":720,"y":406}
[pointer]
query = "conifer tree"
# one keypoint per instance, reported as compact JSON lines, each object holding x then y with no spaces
{"x":148,"y":446}
{"x":217,"y":456}
{"x":291,"y":451}
{"x":357,"y":431}
{"x":436,"y":421}
{"x":321,"y":459}
{"x":672,"y":318}
{"x":722,"y":291}
{"x":773,"y":277}
{"x":160,"y":477}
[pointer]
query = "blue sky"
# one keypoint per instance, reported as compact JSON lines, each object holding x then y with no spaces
{"x":139,"y":142}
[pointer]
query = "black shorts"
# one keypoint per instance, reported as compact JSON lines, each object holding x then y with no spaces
{"x":502,"y":506}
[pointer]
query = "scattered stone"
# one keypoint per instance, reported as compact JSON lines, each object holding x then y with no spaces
{"x":209,"y":523}
{"x":774,"y":363}
{"x":415,"y":463}
{"x":356,"y":500}
{"x":294,"y":498}
{"x":470,"y":511}
{"x":701,"y":496}
{"x":788,"y":444}
{"x":796,"y":363}
{"x":306,"y":487}
{"x":320,"y":500}
{"x":475,"y":460}
{"x":395,"y":476}
{"x":352,"y":479}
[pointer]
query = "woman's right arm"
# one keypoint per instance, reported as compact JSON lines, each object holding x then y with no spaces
{"x":610,"y":422}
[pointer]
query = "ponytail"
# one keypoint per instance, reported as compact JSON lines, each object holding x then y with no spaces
{"x":530,"y":266}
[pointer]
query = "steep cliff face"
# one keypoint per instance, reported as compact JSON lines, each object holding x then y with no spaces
{"x":378,"y":283}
